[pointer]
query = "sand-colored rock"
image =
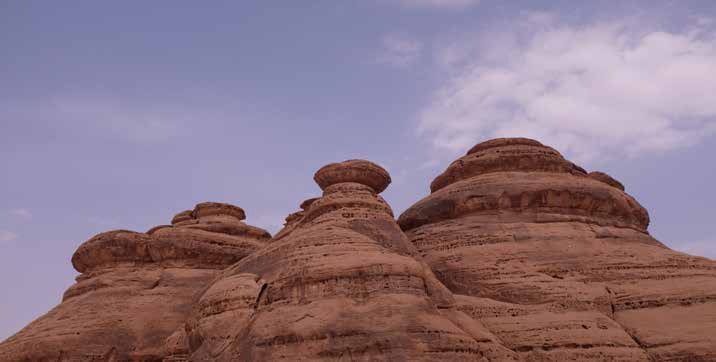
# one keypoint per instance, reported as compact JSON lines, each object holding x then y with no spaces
{"x":136,"y":289}
{"x":516,"y":254}
{"x":603,"y":177}
{"x":353,"y":171}
{"x":558,"y":263}
{"x":343,"y":284}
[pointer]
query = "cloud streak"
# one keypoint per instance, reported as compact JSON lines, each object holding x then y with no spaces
{"x":597,"y":91}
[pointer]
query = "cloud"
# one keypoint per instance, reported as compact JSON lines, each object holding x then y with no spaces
{"x":7,"y":236}
{"x":595,"y":91}
{"x":442,"y":4}
{"x":21,"y":213}
{"x":399,"y":50}
{"x":700,"y":248}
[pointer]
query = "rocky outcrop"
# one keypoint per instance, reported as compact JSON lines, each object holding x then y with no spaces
{"x":558,"y":263}
{"x":517,"y":254}
{"x":343,"y":283}
{"x":136,"y":289}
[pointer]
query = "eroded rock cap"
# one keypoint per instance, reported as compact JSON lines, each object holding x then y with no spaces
{"x":356,"y":171}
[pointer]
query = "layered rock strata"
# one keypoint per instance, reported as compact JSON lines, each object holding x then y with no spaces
{"x":558,"y":263}
{"x":343,"y":283}
{"x":517,"y":254}
{"x":135,"y":289}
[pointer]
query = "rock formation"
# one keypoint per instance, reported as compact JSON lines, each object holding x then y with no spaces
{"x":136,"y":289}
{"x":517,"y":254}
{"x":342,"y":283}
{"x":558,"y":263}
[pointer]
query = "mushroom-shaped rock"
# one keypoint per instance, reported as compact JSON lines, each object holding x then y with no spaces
{"x":354,"y":171}
{"x":207,"y":209}
{"x":215,"y":217}
{"x":505,"y":155}
{"x":504,"y":142}
{"x":603,"y":177}
{"x":558,"y":263}
{"x":342,"y":281}
{"x":112,"y":247}
{"x":136,"y":290}
{"x":523,"y":176}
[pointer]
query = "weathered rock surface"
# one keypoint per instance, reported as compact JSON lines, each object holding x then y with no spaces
{"x":341,"y":282}
{"x":557,"y":263}
{"x":517,"y":254}
{"x":136,"y":289}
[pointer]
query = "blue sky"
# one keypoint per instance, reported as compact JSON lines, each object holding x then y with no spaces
{"x":118,"y":115}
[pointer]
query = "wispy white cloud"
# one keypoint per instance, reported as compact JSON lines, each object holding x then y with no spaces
{"x":399,"y":50}
{"x":594,"y":91}
{"x":440,"y":4}
{"x":21,"y":213}
{"x":7,"y":236}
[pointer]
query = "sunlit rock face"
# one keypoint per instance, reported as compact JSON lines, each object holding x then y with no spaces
{"x":557,"y":262}
{"x":136,"y":289}
{"x":341,"y":282}
{"x":517,"y":254}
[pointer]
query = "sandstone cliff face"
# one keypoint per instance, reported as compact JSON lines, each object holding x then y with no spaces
{"x":517,"y":254}
{"x":136,"y":288}
{"x":558,"y":263}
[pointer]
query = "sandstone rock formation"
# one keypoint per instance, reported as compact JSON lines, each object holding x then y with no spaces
{"x":517,"y":254}
{"x":558,"y":263}
{"x":136,"y":288}
{"x":342,"y":282}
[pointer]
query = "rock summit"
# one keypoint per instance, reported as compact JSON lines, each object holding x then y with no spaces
{"x":517,"y":254}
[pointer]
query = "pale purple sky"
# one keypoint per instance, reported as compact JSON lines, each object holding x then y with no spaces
{"x":120,"y":114}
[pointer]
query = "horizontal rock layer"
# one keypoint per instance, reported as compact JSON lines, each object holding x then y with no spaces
{"x":516,"y":254}
{"x":557,"y":262}
{"x":342,"y":283}
{"x":136,"y":289}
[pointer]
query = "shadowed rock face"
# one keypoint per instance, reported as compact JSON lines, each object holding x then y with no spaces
{"x":557,"y":262}
{"x":136,"y":289}
{"x":517,"y":254}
